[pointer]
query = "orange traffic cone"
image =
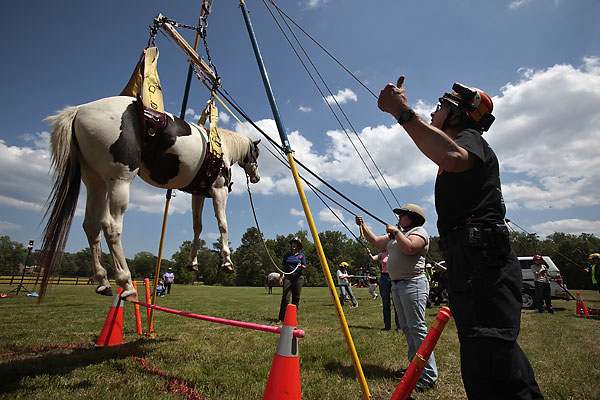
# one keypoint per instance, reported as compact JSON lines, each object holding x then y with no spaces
{"x":112,"y":331}
{"x":581,"y":306}
{"x":284,"y":378}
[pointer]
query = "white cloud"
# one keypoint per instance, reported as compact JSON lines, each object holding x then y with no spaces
{"x":8,"y":226}
{"x":342,"y":96}
{"x":224,"y":117}
{"x":573,"y":226}
{"x":315,"y":3}
{"x":295,"y":212}
{"x":326,"y":215}
{"x":518,"y":3}
{"x":304,"y":109}
{"x":24,"y":179}
{"x":546,"y":135}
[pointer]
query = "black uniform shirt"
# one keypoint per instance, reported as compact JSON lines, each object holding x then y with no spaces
{"x":473,"y":195}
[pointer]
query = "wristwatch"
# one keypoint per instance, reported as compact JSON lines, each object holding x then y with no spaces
{"x":406,"y":116}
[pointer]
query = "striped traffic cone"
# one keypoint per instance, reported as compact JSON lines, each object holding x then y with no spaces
{"x":284,"y":378}
{"x":112,"y":331}
{"x":578,"y":301}
{"x":582,"y":305}
{"x":412,"y":374}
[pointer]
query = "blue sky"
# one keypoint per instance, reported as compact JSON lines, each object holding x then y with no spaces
{"x":538,"y":59}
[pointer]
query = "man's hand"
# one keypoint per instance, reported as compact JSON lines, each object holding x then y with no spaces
{"x":392,"y":99}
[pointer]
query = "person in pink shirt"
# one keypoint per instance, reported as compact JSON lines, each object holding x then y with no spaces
{"x":385,"y":290}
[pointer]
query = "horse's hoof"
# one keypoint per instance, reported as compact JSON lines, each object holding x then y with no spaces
{"x":192,"y":267}
{"x":104,"y":291}
{"x":228,"y":268}
{"x":131,"y":298}
{"x":126,"y":294}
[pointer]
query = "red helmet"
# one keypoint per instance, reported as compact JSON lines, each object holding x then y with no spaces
{"x":474,"y":103}
{"x":538,"y":257}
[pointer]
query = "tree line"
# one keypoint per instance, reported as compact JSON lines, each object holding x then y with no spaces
{"x":252,"y":262}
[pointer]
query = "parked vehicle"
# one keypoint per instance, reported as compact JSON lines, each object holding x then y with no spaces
{"x":528,"y":290}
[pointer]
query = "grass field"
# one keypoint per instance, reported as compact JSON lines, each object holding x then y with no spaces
{"x":47,"y":351}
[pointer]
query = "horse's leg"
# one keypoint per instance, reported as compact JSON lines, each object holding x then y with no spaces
{"x":112,"y":224}
{"x":94,"y":210}
{"x":219,"y":196}
{"x":197,"y":206}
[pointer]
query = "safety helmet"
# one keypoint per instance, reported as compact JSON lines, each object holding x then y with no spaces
{"x":344,"y":264}
{"x":594,"y":255}
{"x":538,"y":257}
{"x":416,"y":213}
{"x":297,"y":240}
{"x":473,"y":103}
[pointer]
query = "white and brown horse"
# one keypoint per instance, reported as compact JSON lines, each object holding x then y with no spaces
{"x":103,"y":144}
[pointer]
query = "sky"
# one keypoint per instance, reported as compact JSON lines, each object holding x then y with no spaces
{"x":539,"y":60}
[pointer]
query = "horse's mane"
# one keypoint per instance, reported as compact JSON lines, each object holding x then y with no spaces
{"x":235,"y":145}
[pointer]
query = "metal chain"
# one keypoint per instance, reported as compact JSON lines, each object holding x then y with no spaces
{"x":202,"y":32}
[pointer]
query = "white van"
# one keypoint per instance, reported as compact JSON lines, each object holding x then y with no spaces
{"x":528,"y":291}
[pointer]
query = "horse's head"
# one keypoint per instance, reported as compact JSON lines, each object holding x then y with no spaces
{"x":250,"y":162}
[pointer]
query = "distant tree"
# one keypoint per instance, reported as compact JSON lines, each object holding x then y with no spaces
{"x":11,"y":255}
{"x":251,"y":262}
{"x":525,"y":244}
{"x":208,"y":263}
{"x":68,"y":265}
{"x":571,"y":253}
{"x":83,"y":260}
{"x":435,"y":251}
{"x":143,"y":265}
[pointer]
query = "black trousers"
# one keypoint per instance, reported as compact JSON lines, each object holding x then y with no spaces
{"x":496,"y":369}
{"x":484,"y":288}
{"x":292,"y":286}
{"x":542,"y":295}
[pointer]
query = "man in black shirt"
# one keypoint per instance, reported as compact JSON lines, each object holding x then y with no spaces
{"x":484,"y":275}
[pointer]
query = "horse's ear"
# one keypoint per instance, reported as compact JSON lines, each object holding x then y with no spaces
{"x":256,"y":142}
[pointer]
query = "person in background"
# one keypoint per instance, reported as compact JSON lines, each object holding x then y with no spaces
{"x":484,"y":274}
{"x":169,"y":277}
{"x":541,"y":280}
{"x":160,"y":288}
{"x":439,"y":284}
{"x":594,"y":269}
{"x":344,"y":284}
{"x":407,"y":244}
{"x":293,"y":264}
{"x":385,"y":291}
{"x":372,"y":282}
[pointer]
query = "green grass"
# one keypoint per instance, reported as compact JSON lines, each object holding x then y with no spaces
{"x":47,"y":351}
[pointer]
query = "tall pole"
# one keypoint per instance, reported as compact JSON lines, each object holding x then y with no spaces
{"x":29,"y":247}
{"x":313,"y":230}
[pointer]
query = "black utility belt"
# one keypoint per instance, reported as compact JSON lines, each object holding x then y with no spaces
{"x":476,"y":235}
{"x":385,"y":274}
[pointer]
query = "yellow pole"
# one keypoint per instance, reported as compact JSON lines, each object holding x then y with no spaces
{"x":336,"y":301}
{"x":313,"y":230}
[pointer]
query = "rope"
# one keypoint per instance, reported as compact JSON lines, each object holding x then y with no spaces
{"x":331,"y":109}
{"x":322,"y":48}
{"x":557,"y":252}
{"x":246,"y":117}
{"x":260,"y":233}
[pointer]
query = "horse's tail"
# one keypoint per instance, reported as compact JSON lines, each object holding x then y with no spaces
{"x":62,"y":201}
